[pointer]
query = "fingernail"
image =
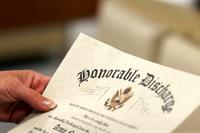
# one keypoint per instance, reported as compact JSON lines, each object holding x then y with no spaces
{"x":49,"y":103}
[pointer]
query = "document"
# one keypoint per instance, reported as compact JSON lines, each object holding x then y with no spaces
{"x":100,"y":89}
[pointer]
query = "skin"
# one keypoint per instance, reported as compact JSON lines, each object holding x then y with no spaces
{"x":20,"y":93}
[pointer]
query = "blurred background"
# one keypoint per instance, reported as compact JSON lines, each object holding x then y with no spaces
{"x":37,"y":34}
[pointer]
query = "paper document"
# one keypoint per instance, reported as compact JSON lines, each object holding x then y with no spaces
{"x":100,"y":89}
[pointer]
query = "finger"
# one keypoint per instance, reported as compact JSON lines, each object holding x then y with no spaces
{"x":35,"y":99}
{"x":6,"y":111}
{"x":34,"y":80}
{"x":39,"y":83}
{"x":20,"y":112}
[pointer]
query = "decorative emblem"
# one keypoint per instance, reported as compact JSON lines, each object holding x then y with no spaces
{"x":119,"y":98}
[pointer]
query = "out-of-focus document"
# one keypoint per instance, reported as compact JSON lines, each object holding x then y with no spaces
{"x":100,"y":89}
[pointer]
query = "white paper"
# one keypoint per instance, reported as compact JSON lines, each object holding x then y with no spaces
{"x":100,"y":89}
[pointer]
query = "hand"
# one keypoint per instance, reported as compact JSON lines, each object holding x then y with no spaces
{"x":20,"y":93}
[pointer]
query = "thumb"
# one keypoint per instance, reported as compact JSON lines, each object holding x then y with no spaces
{"x":36,"y":100}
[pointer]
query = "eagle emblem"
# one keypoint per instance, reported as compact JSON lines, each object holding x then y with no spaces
{"x":118,"y":99}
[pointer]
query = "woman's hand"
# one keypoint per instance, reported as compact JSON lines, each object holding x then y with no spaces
{"x":20,"y":93}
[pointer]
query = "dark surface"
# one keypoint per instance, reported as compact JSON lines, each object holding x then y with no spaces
{"x":197,"y":4}
{"x":20,"y":13}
